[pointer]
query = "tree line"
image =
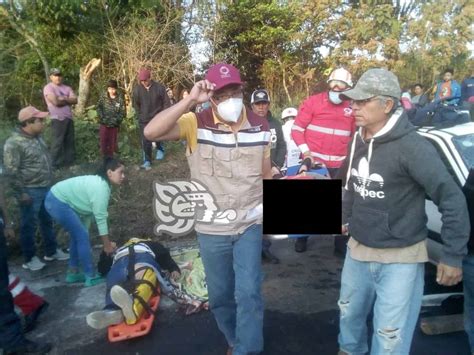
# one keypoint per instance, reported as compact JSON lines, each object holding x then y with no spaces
{"x":287,"y":46}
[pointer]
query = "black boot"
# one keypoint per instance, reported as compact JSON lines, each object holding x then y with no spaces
{"x":300,"y":244}
{"x":269,"y":257}
{"x":32,"y":318}
{"x":29,"y":347}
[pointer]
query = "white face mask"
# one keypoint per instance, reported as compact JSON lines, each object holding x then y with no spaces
{"x":334,"y":97}
{"x":230,"y":109}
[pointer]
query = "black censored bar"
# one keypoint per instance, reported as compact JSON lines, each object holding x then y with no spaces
{"x":302,"y":207}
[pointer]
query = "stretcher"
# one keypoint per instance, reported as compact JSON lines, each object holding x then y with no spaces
{"x":124,"y":331}
{"x":293,"y":170}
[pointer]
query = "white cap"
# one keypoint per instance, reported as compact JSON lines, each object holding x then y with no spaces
{"x":342,"y":75}
{"x":289,"y":112}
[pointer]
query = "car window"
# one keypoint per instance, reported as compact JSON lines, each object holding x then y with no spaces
{"x":465,"y":146}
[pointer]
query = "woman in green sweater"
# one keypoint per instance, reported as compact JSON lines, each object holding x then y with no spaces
{"x":73,"y":203}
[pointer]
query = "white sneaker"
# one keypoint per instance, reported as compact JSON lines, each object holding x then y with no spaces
{"x":34,"y":264}
{"x":59,"y":255}
{"x":122,"y":299}
{"x":104,"y":318}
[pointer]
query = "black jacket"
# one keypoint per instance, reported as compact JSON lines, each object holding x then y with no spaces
{"x":389,"y":176}
{"x":147,"y":103}
{"x":277,"y":140}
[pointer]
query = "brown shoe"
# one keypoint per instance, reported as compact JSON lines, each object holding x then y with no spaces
{"x":229,"y":351}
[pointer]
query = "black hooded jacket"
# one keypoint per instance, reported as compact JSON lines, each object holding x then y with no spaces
{"x":388,"y":179}
{"x":277,"y":141}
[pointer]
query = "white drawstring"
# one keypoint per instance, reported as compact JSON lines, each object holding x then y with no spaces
{"x":369,"y":156}
{"x":388,"y":127}
{"x":348,"y":173}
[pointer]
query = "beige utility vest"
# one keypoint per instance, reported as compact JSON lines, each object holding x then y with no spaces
{"x":230,"y":166}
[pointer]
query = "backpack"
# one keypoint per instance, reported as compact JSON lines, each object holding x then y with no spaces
{"x":435,"y":114}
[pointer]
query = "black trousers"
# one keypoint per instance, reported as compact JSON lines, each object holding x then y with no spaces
{"x":11,"y":334}
{"x":147,"y":145}
{"x":63,"y":150}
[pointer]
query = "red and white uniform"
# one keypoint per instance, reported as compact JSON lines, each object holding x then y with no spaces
{"x":324,"y":129}
{"x":23,"y":298}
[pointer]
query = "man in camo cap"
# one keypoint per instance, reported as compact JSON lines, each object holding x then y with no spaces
{"x":389,"y":171}
{"x":28,"y":167}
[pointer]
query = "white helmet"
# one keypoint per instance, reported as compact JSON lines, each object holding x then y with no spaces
{"x":342,"y":75}
{"x":289,"y":112}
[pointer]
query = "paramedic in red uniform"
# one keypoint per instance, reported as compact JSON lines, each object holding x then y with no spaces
{"x":323,"y":128}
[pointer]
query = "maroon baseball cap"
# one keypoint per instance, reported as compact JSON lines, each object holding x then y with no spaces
{"x":30,"y":112}
{"x":223,"y":74}
{"x":144,"y":74}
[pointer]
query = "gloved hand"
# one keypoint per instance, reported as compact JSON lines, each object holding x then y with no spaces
{"x":306,"y":165}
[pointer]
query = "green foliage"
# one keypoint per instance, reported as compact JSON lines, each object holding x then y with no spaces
{"x":87,"y":141}
{"x":253,"y":31}
{"x":87,"y":138}
{"x":6,"y":128}
{"x":288,"y":46}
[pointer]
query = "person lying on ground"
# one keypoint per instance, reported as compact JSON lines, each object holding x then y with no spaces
{"x":134,"y":275}
{"x":73,"y":203}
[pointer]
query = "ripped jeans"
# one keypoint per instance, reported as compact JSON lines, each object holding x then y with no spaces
{"x":393,"y":291}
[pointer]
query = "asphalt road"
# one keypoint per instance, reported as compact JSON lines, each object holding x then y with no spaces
{"x":301,"y":314}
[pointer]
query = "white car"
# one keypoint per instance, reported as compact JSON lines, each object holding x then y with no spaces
{"x":455,"y":146}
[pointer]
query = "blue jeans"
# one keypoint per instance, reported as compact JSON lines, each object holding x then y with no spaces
{"x":468,"y":283}
{"x":394,"y":293}
{"x":234,"y":278}
{"x":119,"y":271}
{"x":79,"y":244}
{"x":266,"y":244}
{"x":11,"y":333}
{"x":30,"y":215}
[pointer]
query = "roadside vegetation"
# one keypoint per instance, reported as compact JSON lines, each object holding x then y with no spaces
{"x":288,"y":47}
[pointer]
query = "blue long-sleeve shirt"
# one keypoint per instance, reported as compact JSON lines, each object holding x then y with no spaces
{"x":455,"y":93}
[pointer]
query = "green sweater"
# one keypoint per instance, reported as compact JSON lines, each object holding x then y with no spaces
{"x":88,"y":195}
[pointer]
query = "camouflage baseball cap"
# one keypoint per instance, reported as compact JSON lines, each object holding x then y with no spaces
{"x":55,"y":71}
{"x":374,"y":82}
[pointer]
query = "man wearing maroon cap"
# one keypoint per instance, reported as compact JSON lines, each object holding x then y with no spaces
{"x":149,"y":98}
{"x":29,"y":169}
{"x":228,"y":152}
